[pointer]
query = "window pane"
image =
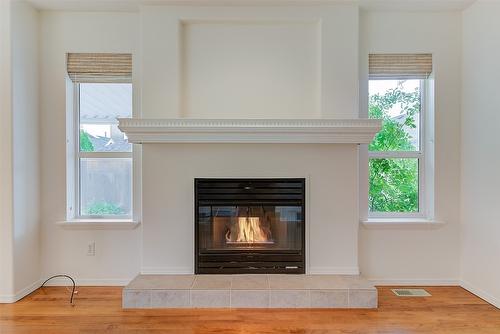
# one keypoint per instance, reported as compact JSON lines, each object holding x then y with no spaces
{"x":100,"y":106}
{"x":397,"y":103}
{"x":105,"y":186}
{"x":393,"y":185}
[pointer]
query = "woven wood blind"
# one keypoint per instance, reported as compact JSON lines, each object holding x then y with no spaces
{"x":400,"y":66}
{"x":99,"y":67}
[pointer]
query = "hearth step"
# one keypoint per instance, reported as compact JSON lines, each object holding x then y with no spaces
{"x":249,"y":291}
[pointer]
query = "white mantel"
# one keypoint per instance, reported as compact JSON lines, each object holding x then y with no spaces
{"x":307,"y":131}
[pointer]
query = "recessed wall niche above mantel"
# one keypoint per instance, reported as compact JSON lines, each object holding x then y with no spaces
{"x":250,"y":62}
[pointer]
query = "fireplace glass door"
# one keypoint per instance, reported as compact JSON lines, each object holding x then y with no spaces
{"x":250,"y":227}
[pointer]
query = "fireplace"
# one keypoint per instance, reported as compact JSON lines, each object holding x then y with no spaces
{"x":249,"y":226}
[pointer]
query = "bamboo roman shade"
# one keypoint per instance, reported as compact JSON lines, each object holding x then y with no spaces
{"x":400,"y":66}
{"x":99,"y":67}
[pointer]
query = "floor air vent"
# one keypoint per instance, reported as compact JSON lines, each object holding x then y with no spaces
{"x":411,"y":293}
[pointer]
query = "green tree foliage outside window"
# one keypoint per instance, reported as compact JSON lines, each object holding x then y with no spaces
{"x":103,"y":208}
{"x":85,"y":143}
{"x":394,"y":181}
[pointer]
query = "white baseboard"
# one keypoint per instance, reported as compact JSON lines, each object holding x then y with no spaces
{"x":415,"y":282}
{"x":333,"y":271}
{"x":480,"y":293}
{"x":21,"y":293}
{"x":89,"y":282}
{"x":167,"y":271}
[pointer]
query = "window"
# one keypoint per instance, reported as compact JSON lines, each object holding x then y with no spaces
{"x":102,"y":157}
{"x":397,"y":155}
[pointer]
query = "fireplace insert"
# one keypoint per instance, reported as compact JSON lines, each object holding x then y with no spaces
{"x":249,"y":226}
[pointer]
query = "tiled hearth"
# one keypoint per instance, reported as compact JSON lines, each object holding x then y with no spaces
{"x":249,"y":291}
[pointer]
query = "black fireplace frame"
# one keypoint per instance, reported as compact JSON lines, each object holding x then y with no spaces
{"x":250,"y":191}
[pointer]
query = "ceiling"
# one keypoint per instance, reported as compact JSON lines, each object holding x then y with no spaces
{"x":133,"y":5}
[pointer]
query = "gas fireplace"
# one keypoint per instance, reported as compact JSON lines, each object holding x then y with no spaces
{"x":249,"y":226}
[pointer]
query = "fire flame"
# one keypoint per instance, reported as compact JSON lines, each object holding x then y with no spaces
{"x":249,"y":231}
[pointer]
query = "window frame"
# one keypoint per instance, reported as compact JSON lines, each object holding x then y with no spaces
{"x":420,"y":155}
{"x":76,"y":206}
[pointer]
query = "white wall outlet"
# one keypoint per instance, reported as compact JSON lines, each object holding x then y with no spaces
{"x":91,"y":249}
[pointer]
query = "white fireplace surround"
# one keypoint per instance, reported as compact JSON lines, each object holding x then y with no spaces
{"x":305,"y":131}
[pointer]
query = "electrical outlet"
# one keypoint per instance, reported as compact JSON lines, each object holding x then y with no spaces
{"x":91,"y":249}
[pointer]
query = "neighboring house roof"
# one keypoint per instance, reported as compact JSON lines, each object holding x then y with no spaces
{"x":103,"y":103}
{"x":104,"y":144}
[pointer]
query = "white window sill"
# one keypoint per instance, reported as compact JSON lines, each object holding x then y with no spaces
{"x":401,"y":223}
{"x":99,"y":224}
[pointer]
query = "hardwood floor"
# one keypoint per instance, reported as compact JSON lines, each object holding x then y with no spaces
{"x":450,"y":310}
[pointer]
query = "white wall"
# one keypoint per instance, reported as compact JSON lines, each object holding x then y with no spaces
{"x":6,"y":206}
{"x":420,"y":254}
{"x":179,"y":40}
{"x":331,"y":199}
{"x":480,"y":151}
{"x":19,"y":168}
{"x":26,"y":180}
{"x":408,"y":254}
{"x":118,"y":252}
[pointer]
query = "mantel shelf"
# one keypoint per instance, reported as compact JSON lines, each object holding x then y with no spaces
{"x":307,"y":131}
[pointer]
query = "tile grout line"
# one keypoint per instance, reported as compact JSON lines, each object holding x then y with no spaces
{"x":268,"y":291}
{"x":191,"y":290}
{"x":231,"y":293}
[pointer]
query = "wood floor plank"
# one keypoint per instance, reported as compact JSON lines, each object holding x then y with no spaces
{"x":450,"y":310}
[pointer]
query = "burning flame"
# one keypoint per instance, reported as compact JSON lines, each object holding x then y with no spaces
{"x":249,"y":231}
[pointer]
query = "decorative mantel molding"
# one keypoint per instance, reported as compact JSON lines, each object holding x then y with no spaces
{"x":308,"y":131}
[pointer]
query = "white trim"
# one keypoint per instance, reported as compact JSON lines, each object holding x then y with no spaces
{"x":368,"y":5}
{"x":6,"y":153}
{"x":308,"y":223}
{"x":333,"y":271}
{"x":167,"y":271}
{"x":76,"y":149}
{"x":428,"y":144}
{"x":396,"y":216}
{"x":99,"y":224}
{"x":395,"y":154}
{"x":7,"y":299}
{"x":401,"y":223}
{"x":414,"y":282}
{"x":480,"y":293}
{"x":90,"y":282}
{"x":71,"y":166}
{"x":21,"y":293}
{"x":107,"y":155}
{"x":345,"y":131}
